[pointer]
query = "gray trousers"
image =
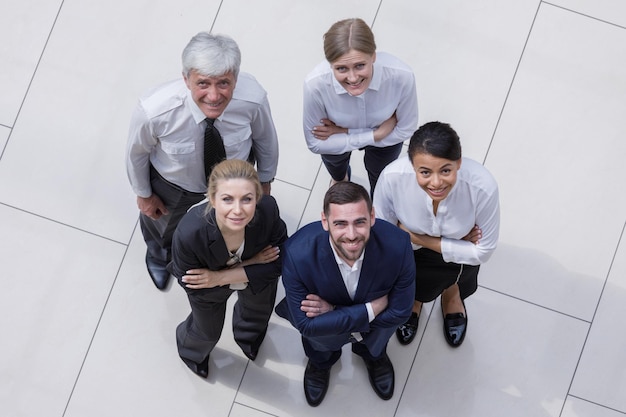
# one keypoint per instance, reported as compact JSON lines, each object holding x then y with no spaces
{"x":158,"y":233}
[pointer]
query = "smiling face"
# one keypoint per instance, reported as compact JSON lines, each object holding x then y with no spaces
{"x":211,"y":94}
{"x":235,"y":203}
{"x":354,"y":71}
{"x":435,"y":175}
{"x":349,"y":227}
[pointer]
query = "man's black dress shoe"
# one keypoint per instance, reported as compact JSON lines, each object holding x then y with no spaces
{"x":381,"y":376}
{"x":315,"y":384}
{"x":201,"y":369}
{"x":157,"y":271}
{"x":407,"y":331}
{"x":454,"y":327}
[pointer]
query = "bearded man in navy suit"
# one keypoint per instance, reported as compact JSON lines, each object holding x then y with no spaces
{"x":348,"y":279}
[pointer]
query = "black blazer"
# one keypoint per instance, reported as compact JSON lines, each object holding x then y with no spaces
{"x":198,"y":243}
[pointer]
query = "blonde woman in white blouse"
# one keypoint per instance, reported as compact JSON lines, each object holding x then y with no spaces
{"x":358,"y":99}
{"x":449,"y":206}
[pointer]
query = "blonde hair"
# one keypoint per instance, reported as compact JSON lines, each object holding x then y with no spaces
{"x":232,"y":169}
{"x":346,"y":35}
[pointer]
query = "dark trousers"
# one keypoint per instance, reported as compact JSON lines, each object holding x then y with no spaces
{"x":158,"y":233}
{"x":325,"y":351}
{"x":433,"y":275}
{"x":199,"y":333}
{"x":375,"y":159}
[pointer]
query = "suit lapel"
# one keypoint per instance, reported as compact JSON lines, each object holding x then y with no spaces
{"x":369,"y":271}
{"x":328,"y":267}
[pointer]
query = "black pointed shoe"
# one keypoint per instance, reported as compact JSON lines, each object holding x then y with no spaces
{"x":158,"y":272}
{"x":454,"y":327}
{"x":315,"y":384}
{"x":381,"y":376}
{"x":407,"y":331}
{"x":251,"y":355}
{"x":201,"y":369}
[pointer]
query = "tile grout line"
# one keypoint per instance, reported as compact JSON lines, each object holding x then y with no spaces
{"x":506,"y":98}
{"x":582,"y":350}
{"x":30,"y":83}
{"x":585,"y":15}
{"x":95,"y":331}
{"x":63,"y":224}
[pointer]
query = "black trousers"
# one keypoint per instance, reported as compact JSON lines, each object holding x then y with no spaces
{"x":433,"y":275}
{"x":375,"y":159}
{"x":158,"y":233}
{"x":199,"y":333}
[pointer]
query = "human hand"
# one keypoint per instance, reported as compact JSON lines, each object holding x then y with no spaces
{"x":267,"y":188}
{"x":380,"y":304}
{"x":265,"y":256}
{"x":474,"y":235}
{"x":315,"y":306}
{"x":152,"y":206}
{"x":327,"y":129}
{"x":385,"y":128}
{"x":201,"y":278}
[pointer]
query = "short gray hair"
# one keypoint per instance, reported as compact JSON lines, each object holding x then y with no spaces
{"x":211,"y":55}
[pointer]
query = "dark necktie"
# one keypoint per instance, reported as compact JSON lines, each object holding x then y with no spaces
{"x":214,"y":151}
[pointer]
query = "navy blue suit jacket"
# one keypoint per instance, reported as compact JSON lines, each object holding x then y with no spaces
{"x":309,"y":267}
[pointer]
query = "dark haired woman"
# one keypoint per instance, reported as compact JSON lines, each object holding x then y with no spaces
{"x":449,"y":206}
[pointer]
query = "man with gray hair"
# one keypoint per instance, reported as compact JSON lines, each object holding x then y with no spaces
{"x":180,"y":129}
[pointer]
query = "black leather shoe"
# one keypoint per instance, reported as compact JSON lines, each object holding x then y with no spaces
{"x":201,"y":369}
{"x":454,"y":327}
{"x":251,"y":355}
{"x":407,"y":331}
{"x":381,"y":376}
{"x":315,"y":384}
{"x":157,"y":271}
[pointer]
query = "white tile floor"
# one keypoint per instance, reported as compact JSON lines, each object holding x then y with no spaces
{"x":537,"y":91}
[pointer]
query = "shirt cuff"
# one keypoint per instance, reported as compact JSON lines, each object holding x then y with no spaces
{"x":370,"y":312}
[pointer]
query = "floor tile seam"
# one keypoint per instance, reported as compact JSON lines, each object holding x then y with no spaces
{"x":543,"y":307}
{"x":95,"y":331}
{"x":30,"y":82}
{"x":6,"y":143}
{"x":248,"y":406}
{"x":308,"y":198}
{"x":64,"y":224}
{"x":302,"y":187}
{"x":597,"y":404}
{"x":419,"y":344}
{"x":508,"y":92}
{"x":380,"y":4}
{"x":584,"y":345}
{"x":584,"y":14}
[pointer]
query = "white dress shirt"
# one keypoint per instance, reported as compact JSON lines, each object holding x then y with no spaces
{"x":167,"y":131}
{"x":472,"y":201}
{"x":351,"y":275}
{"x":392,"y":90}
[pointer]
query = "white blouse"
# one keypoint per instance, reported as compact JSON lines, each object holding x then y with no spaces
{"x":472,"y":201}
{"x":392,"y":90}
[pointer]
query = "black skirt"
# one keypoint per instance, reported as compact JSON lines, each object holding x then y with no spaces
{"x":433,"y":275}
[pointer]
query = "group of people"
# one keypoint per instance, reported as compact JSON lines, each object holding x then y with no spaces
{"x":202,"y":154}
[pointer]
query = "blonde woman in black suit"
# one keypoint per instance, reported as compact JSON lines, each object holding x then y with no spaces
{"x":229,"y":244}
